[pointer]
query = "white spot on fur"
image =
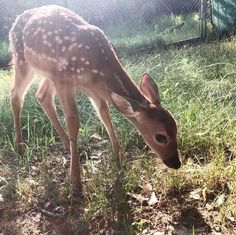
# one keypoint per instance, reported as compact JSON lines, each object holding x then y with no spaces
{"x":35,"y":33}
{"x":102,"y":51}
{"x":87,"y":47}
{"x":47,"y":43}
{"x":78,"y":70}
{"x":73,"y":58}
{"x":94,"y":71}
{"x":72,"y":46}
{"x":101,"y":74}
{"x":82,"y":58}
{"x":62,"y":64}
{"x":87,"y":62}
{"x":73,"y":39}
{"x":58,"y":40}
{"x":80,"y":45}
{"x":63,"y":48}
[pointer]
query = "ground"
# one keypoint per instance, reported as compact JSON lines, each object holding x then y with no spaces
{"x":38,"y":199}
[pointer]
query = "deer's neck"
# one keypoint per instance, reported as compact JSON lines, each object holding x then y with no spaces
{"x":122,"y":84}
{"x":118,"y":80}
{"x":125,"y":86}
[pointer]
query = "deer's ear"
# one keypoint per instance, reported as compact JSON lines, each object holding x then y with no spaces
{"x":128,"y":107}
{"x":150,"y":89}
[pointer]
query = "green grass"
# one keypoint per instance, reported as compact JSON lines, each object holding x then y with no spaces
{"x":161,"y":31}
{"x":198,"y":86}
{"x":4,"y":54}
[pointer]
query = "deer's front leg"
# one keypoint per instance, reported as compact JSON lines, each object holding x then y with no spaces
{"x":102,"y":109}
{"x":66,"y":95}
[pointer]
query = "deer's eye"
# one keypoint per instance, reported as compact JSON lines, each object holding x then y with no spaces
{"x":161,"y":138}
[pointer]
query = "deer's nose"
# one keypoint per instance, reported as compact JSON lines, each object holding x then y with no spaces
{"x":175,"y":164}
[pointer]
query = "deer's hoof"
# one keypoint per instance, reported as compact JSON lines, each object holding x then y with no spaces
{"x":20,"y":148}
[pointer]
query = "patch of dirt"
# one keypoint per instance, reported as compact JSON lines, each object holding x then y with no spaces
{"x":37,"y":199}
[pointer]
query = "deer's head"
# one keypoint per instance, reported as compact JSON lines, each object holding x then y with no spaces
{"x":156,"y":125}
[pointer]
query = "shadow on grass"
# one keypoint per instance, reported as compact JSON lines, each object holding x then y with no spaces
{"x":187,"y":219}
{"x":119,"y":204}
{"x":49,"y":206}
{"x":66,"y":215}
{"x":192,"y":219}
{"x":38,"y":199}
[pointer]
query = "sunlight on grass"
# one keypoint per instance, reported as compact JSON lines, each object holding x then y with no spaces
{"x":163,"y":30}
{"x":5,"y":86}
{"x":198,"y":85}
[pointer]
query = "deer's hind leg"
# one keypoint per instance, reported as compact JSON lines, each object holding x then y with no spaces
{"x":23,"y":75}
{"x":45,"y":96}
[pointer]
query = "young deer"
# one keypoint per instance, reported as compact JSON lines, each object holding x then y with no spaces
{"x":72,"y":56}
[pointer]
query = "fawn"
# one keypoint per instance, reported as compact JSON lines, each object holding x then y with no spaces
{"x":72,"y":55}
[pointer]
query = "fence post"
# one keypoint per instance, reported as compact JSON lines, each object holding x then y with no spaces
{"x":65,"y":3}
{"x":203,"y":16}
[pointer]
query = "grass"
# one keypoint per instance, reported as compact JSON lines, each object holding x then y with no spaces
{"x":161,"y":31}
{"x":4,"y":54}
{"x":198,"y":85}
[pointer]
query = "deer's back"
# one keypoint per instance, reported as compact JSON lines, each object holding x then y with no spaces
{"x":56,"y":40}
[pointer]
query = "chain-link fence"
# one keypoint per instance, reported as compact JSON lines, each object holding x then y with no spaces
{"x":130,"y":24}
